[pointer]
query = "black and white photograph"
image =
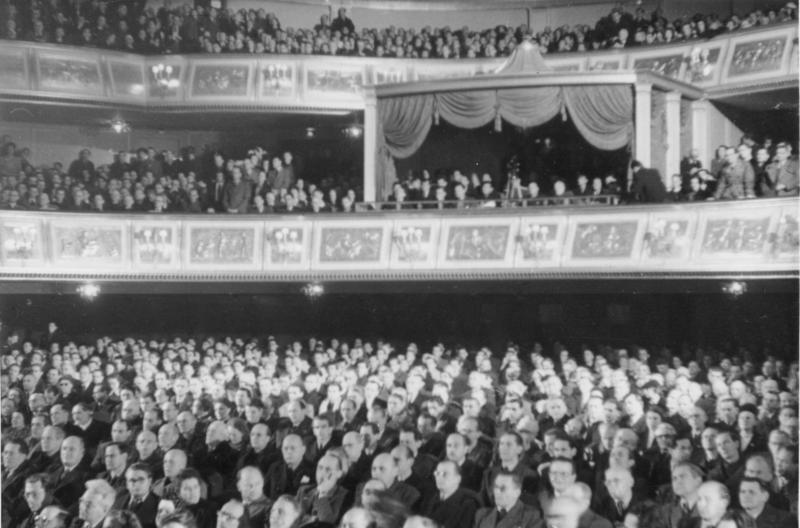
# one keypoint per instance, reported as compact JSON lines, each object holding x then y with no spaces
{"x":399,"y":264}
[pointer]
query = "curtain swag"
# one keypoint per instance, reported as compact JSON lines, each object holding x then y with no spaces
{"x":602,"y":114}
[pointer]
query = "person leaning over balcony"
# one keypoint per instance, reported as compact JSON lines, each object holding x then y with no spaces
{"x":647,"y":184}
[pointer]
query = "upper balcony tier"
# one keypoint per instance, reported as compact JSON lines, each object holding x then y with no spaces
{"x":726,"y":66}
{"x":746,"y":238}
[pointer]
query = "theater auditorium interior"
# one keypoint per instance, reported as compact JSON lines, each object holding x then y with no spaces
{"x":380,"y":264}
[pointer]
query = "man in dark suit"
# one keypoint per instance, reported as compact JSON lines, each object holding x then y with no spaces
{"x":92,"y":431}
{"x":288,"y":474}
{"x":682,"y":509}
{"x":262,"y":451}
{"x":454,"y":506}
{"x":115,"y":455}
{"x":729,"y":468}
{"x":250,"y":483}
{"x":621,"y":498}
{"x":69,"y":478}
{"x":25,"y":508}
{"x":15,"y":469}
{"x":138,"y":498}
{"x":327,"y":500}
{"x":581,"y":493}
{"x":325,"y":438}
{"x":647,"y":184}
{"x":509,"y":511}
{"x":753,"y":497}
{"x":456,"y":450}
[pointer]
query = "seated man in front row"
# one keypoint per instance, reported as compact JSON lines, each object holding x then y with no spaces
{"x":508,"y":510}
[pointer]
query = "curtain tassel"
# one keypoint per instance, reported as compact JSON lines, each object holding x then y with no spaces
{"x":564,"y":113}
{"x":498,"y":122}
{"x":436,"y":116}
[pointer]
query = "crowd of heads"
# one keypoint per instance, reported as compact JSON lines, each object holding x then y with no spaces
{"x":243,"y":432}
{"x":132,"y":26}
{"x":146,"y":180}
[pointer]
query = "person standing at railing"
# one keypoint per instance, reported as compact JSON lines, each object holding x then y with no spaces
{"x":647,"y":184}
{"x":236,"y":197}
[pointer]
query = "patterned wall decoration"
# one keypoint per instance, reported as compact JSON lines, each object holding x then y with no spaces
{"x":605,"y":62}
{"x":335,"y":80}
{"x":156,"y":245}
{"x":786,"y":239}
{"x":734,"y":237}
{"x":13,"y":70}
{"x":704,"y":63}
{"x":414,"y":243}
{"x":70,"y":74}
{"x":278,"y":80}
{"x":221,"y":80}
{"x":470,"y":243}
{"x":222,"y":246}
{"x":389,"y":74}
{"x":21,"y":243}
{"x":757,"y":56}
{"x":287,"y":245}
{"x":89,"y":244}
{"x":540,"y":241}
{"x":127,"y":78}
{"x":668,"y":237}
{"x":659,"y":61}
{"x":597,"y":240}
{"x":352,"y":245}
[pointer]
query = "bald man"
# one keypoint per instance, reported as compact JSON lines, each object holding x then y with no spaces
{"x":713,"y":500}
{"x":359,"y":462}
{"x":327,"y":500}
{"x":581,"y":494}
{"x":384,"y":468}
{"x":250,"y":483}
{"x":68,"y":480}
{"x":292,"y":471}
{"x":175,"y":461}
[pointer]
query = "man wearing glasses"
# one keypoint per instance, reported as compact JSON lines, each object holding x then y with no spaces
{"x":36,"y":498}
{"x":138,"y":498}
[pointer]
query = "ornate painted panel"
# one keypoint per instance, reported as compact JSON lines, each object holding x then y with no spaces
{"x":605,"y":62}
{"x":668,"y":237}
{"x":704,"y":63}
{"x":127,"y":78}
{"x":277,"y":80}
{"x":352,"y":245}
{"x":156,"y":245}
{"x":566,"y":65}
{"x":13,"y":69}
{"x":758,"y":56}
{"x":540,"y":241}
{"x":331,"y":80}
{"x":477,"y":243}
{"x":389,"y":74}
{"x":74,"y":73}
{"x":221,"y":80}
{"x":595,"y":240}
{"x":427,"y":72}
{"x":287,"y":245}
{"x":222,"y":246}
{"x":21,"y":243}
{"x":165,"y":84}
{"x":89,"y":245}
{"x":414,"y":244}
{"x":665,"y":62}
{"x":786,"y":237}
{"x":734,"y":236}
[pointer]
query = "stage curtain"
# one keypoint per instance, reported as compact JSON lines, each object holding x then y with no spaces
{"x":467,"y":109}
{"x":405,"y":121}
{"x":529,"y":107}
{"x":602,"y":114}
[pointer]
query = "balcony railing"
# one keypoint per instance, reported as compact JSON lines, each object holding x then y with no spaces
{"x":752,"y":237}
{"x":317,"y":83}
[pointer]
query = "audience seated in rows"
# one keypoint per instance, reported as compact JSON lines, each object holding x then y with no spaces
{"x":241,"y":432}
{"x":132,"y":26}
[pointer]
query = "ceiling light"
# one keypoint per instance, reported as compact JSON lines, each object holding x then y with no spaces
{"x":88,"y":291}
{"x":735,"y":288}
{"x":310,"y":132}
{"x":119,"y":126}
{"x":313,"y":290}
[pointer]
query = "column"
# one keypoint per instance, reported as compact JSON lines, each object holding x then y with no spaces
{"x":673,"y":115}
{"x":370,"y":146}
{"x":700,"y":135}
{"x":642,"y":122}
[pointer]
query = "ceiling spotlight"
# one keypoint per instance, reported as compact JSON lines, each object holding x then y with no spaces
{"x":313,"y":290}
{"x":354,"y":131}
{"x":88,"y":291}
{"x":735,"y":288}
{"x":119,"y":126}
{"x":310,"y":132}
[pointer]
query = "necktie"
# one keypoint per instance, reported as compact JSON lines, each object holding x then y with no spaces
{"x":501,"y":513}
{"x":620,"y":507}
{"x":684,"y":507}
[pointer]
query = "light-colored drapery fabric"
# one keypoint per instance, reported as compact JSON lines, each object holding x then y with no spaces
{"x":602,"y":114}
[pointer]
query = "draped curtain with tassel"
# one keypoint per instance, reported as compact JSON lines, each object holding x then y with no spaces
{"x":602,"y":114}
